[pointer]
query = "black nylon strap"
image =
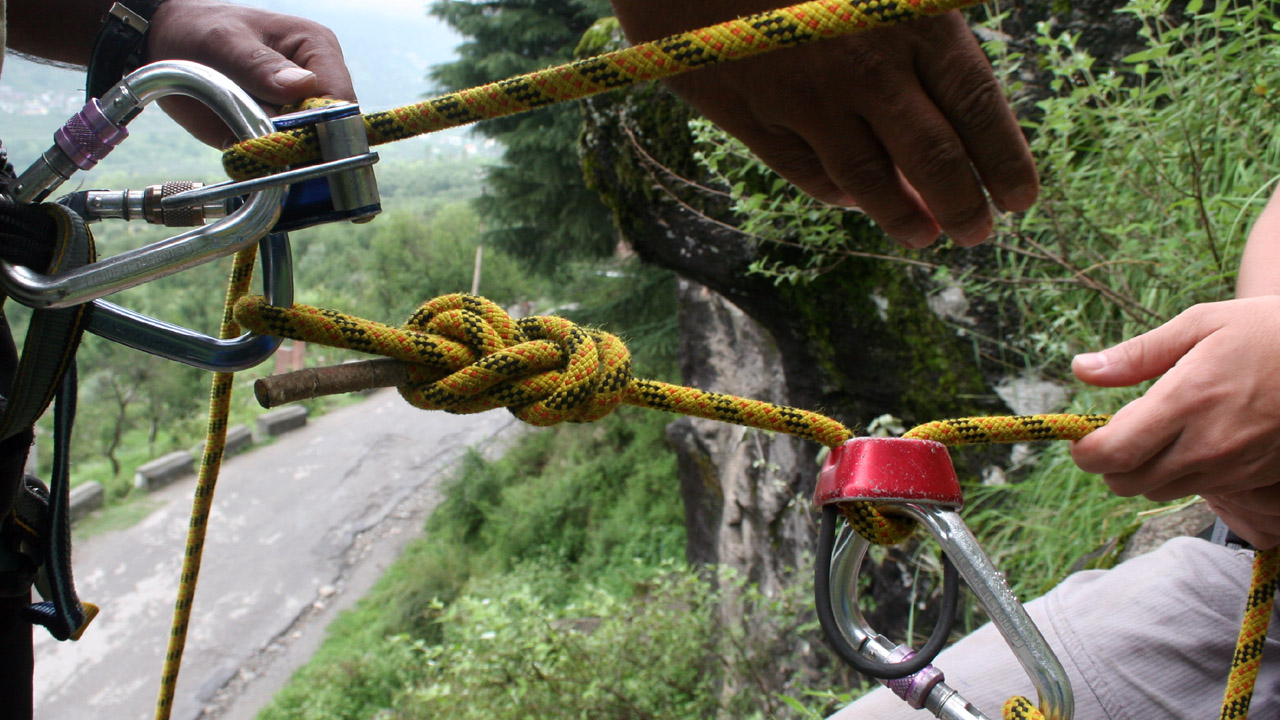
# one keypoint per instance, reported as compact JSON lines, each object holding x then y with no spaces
{"x":53,"y":239}
{"x":121,"y":45}
{"x":26,"y":238}
{"x":63,"y":615}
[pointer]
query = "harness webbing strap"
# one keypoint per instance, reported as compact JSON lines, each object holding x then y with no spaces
{"x":63,"y":614}
{"x":53,"y":335}
{"x":46,"y":368}
{"x":32,"y":533}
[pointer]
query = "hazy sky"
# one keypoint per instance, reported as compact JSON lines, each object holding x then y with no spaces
{"x":385,"y":41}
{"x":388,"y":44}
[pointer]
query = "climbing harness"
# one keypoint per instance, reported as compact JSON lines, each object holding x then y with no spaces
{"x":467,"y":355}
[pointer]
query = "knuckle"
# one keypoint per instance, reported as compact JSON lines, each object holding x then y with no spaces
{"x":978,"y":102}
{"x":864,"y":179}
{"x":940,"y":159}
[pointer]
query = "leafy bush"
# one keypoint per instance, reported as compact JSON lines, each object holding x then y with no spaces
{"x":508,"y":651}
{"x":590,"y":498}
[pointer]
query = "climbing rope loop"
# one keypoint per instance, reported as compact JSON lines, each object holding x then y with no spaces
{"x":469,"y":356}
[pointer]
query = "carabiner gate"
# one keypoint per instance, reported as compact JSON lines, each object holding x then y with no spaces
{"x":915,"y":478}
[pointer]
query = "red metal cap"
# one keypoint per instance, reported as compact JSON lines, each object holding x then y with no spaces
{"x":889,"y":469}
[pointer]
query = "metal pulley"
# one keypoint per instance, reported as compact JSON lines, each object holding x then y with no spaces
{"x":915,"y":479}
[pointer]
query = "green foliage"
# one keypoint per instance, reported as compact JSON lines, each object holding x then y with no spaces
{"x":590,"y":498}
{"x":536,"y":206}
{"x":509,"y":650}
{"x":1151,"y":178}
{"x":385,"y":269}
{"x":772,"y":210}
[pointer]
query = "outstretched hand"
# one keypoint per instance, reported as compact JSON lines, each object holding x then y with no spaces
{"x":907,"y":123}
{"x":278,"y":59}
{"x":1210,"y":426}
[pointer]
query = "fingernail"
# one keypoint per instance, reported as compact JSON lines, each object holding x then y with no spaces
{"x":969,"y":238}
{"x":1021,"y":197}
{"x":1089,"y":362}
{"x":291,"y":76}
{"x":921,"y":239}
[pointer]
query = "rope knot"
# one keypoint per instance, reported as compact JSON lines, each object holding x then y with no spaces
{"x":545,"y":369}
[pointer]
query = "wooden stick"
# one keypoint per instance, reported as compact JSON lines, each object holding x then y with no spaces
{"x":278,"y":390}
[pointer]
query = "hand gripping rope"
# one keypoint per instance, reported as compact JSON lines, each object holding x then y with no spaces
{"x":731,"y":40}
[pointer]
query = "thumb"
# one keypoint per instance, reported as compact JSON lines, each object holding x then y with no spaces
{"x":1148,"y":355}
{"x":275,"y":79}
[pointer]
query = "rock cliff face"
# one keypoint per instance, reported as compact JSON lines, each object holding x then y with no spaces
{"x":740,"y":486}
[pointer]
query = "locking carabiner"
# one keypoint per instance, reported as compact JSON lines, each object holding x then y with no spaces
{"x":90,"y":135}
{"x":915,"y":479}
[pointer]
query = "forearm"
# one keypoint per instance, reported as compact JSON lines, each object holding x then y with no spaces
{"x":1260,"y":263}
{"x":60,"y":30}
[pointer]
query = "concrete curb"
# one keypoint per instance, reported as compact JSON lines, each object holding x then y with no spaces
{"x":279,"y":422}
{"x":164,"y":470}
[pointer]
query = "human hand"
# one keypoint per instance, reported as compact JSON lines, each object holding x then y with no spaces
{"x":1210,"y":426}
{"x":278,"y":59}
{"x":907,"y":122}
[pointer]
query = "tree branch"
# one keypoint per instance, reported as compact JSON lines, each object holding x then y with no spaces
{"x":349,"y":377}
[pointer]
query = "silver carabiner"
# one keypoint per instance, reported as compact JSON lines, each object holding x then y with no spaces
{"x":87,"y":138}
{"x":173,"y":342}
{"x":915,"y":478}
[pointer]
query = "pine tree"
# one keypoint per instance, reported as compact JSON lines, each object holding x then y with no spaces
{"x":537,"y":206}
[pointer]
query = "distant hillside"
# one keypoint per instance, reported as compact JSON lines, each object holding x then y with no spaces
{"x":389,"y":46}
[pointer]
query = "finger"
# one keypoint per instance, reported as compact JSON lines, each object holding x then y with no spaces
{"x":322,"y":55}
{"x":1134,"y":437}
{"x":1151,"y":354}
{"x":1156,"y":484}
{"x":916,"y":135}
{"x":200,"y":121}
{"x":273,"y":78}
{"x":959,"y":79}
{"x":935,"y":163}
{"x":846,"y":149}
{"x":855,"y":162}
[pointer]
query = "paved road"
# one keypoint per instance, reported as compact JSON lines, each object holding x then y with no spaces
{"x":300,"y":529}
